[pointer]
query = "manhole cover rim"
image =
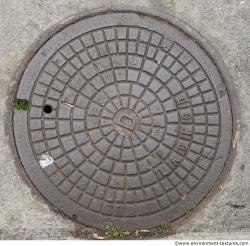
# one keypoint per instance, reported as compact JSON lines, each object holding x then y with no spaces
{"x":86,"y":216}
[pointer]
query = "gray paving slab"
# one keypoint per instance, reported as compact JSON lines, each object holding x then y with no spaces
{"x":225,"y":24}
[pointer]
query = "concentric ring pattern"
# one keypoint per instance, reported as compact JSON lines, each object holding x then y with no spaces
{"x":135,"y":122}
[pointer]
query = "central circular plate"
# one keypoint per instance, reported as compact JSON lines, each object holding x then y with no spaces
{"x":125,"y":120}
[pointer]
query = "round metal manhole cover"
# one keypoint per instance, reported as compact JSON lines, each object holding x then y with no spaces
{"x":130,"y":120}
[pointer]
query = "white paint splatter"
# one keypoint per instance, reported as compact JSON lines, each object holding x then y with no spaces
{"x":68,"y":104}
{"x":45,"y":160}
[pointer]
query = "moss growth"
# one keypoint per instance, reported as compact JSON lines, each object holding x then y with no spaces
{"x":56,"y":210}
{"x":21,"y":104}
{"x":164,"y":226}
{"x":115,"y":232}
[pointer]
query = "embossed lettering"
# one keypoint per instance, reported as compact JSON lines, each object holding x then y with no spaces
{"x":185,"y":133}
{"x":186,"y":116}
{"x":181,"y":148}
{"x":182,"y":100}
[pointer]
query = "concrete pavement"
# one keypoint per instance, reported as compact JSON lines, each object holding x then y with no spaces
{"x":225,"y":23}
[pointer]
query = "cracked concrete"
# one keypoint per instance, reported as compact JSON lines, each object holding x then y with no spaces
{"x":225,"y":23}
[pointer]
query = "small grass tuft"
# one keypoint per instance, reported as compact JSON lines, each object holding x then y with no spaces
{"x":21,"y":104}
{"x":56,"y":210}
{"x":163,"y":229}
{"x":164,"y":226}
{"x":115,"y":232}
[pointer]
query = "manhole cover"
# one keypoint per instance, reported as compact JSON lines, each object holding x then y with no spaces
{"x":129,"y":123}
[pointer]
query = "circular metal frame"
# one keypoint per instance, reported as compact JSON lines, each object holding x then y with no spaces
{"x":205,"y":55}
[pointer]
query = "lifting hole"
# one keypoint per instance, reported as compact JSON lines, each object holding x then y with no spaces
{"x":47,"y":109}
